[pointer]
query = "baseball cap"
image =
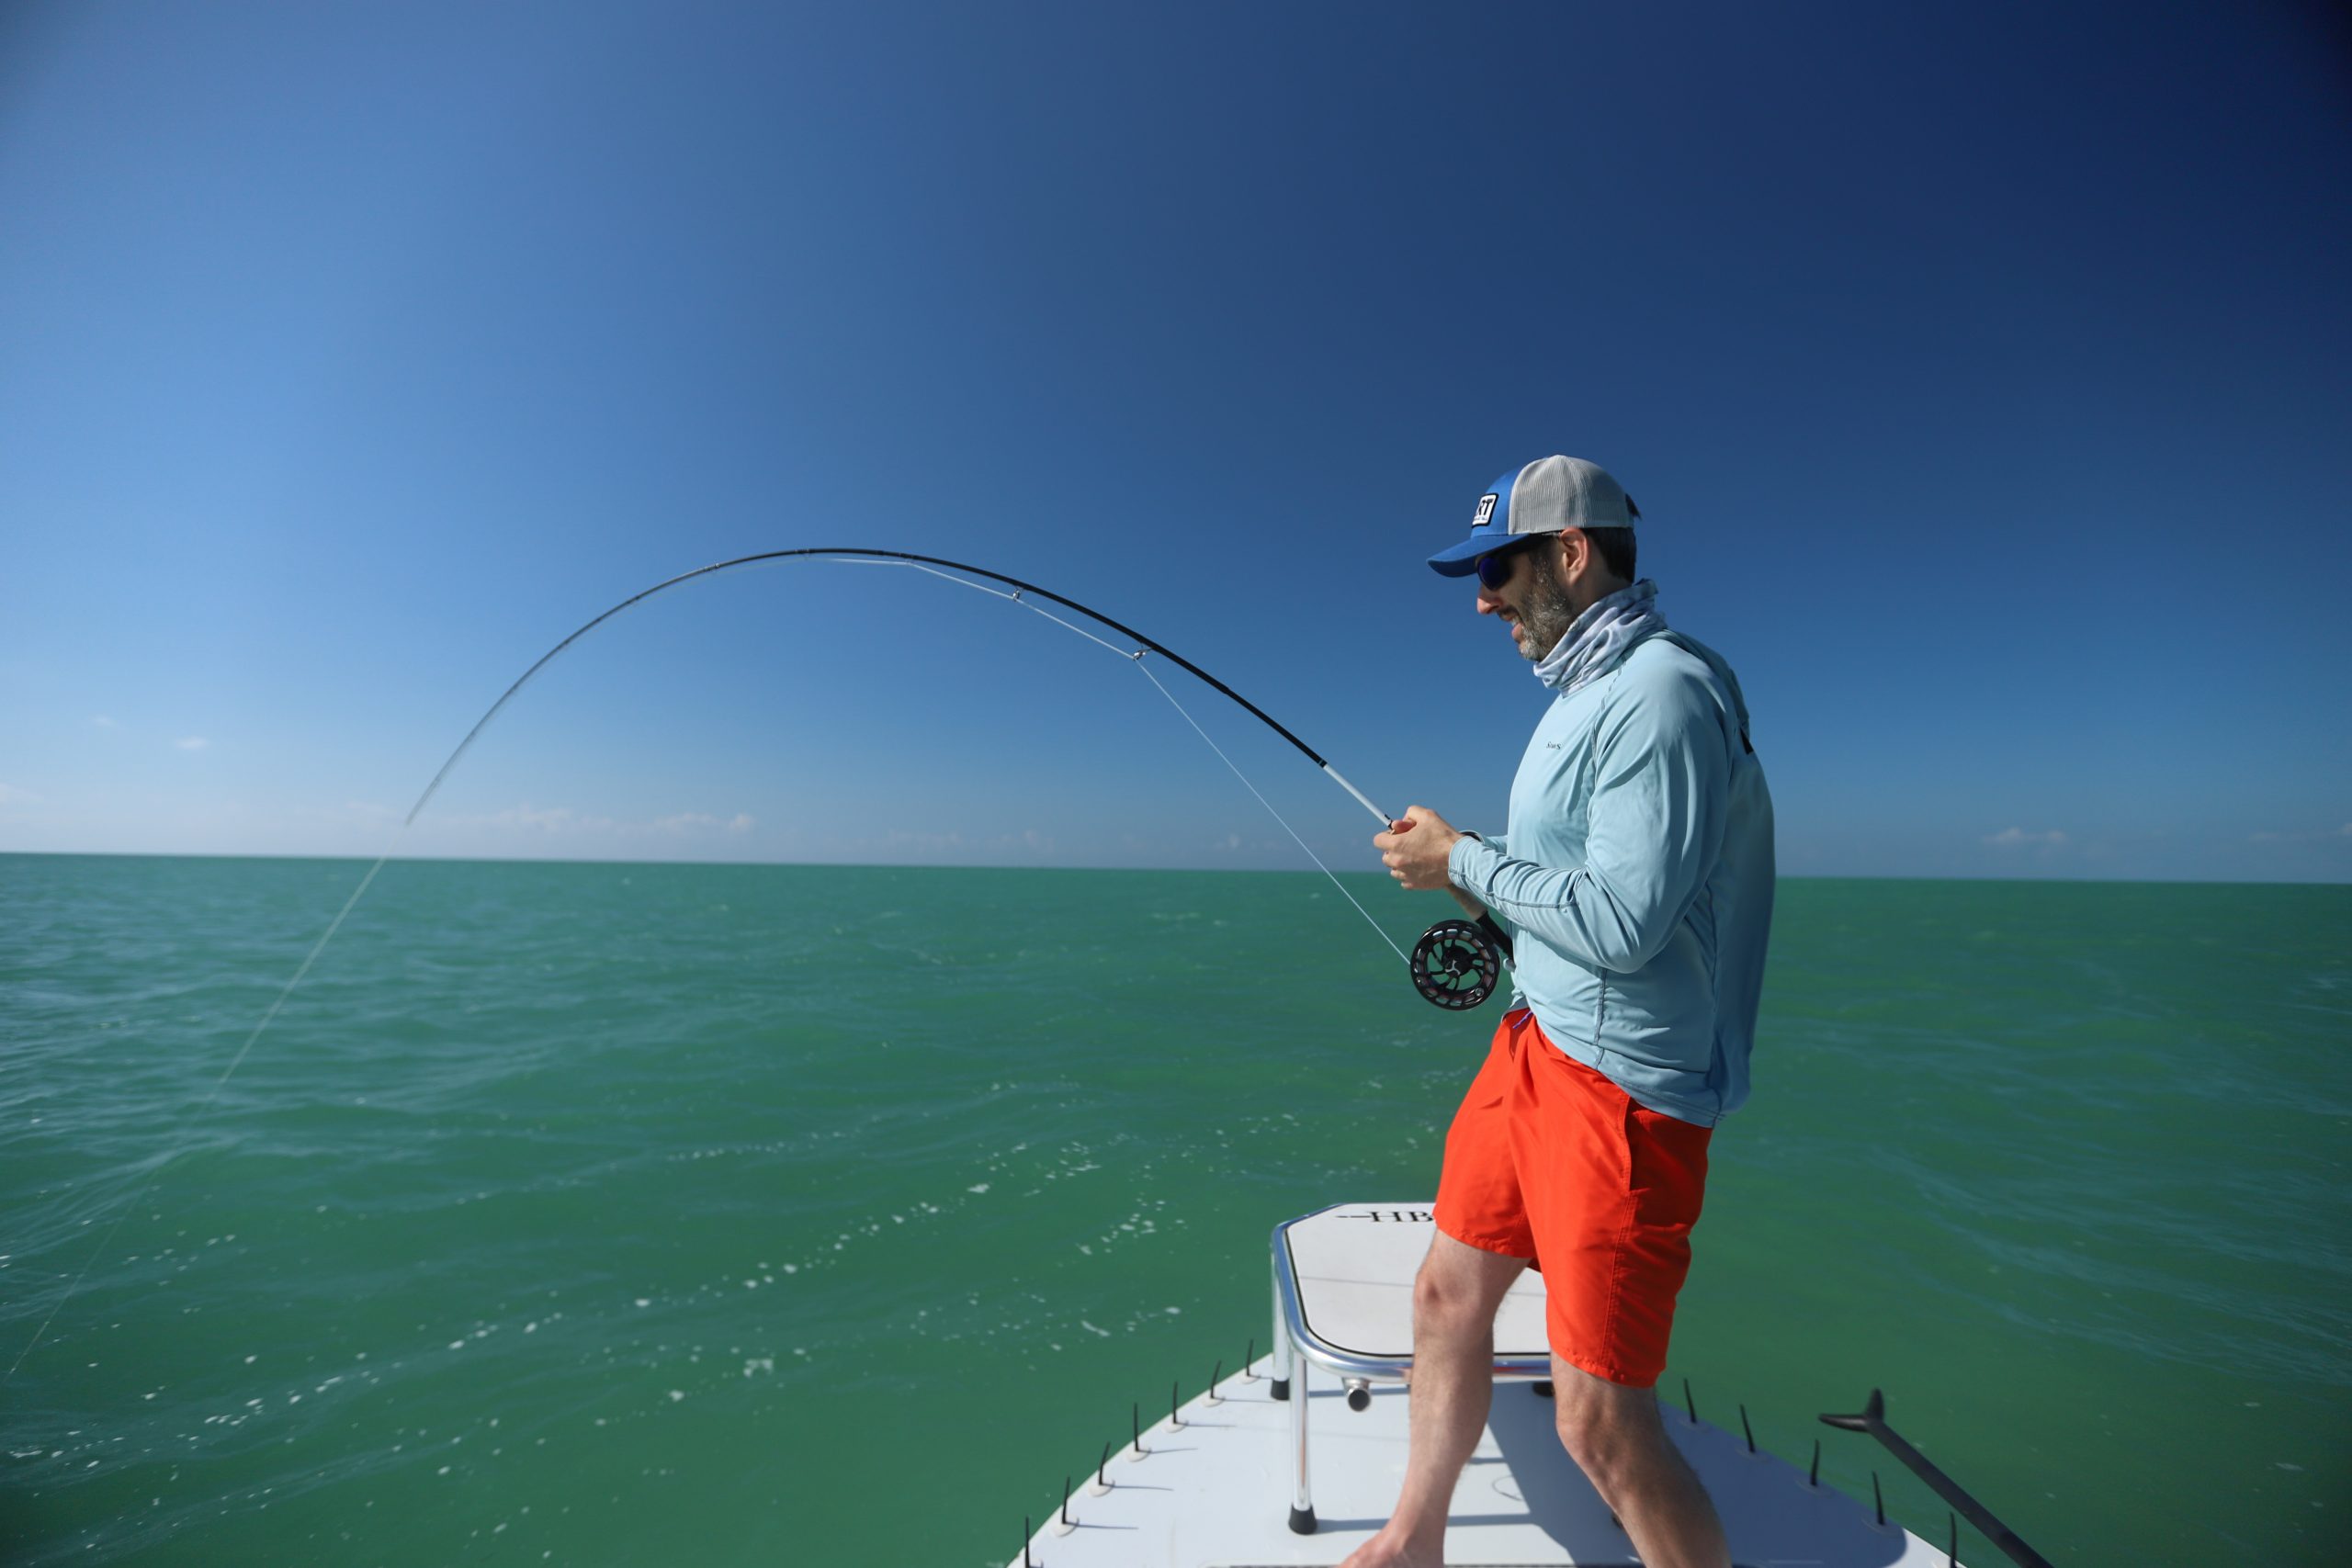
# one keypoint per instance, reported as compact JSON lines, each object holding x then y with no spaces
{"x":1547,"y":495}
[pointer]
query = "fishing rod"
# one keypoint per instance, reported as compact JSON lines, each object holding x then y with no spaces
{"x":1456,"y":963}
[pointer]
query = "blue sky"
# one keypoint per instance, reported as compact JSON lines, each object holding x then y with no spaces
{"x":1981,"y":372}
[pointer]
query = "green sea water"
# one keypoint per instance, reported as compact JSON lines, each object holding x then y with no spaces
{"x":646,"y":1213}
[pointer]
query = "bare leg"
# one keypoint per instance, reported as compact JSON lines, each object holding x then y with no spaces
{"x":1455,"y":1298}
{"x":1616,"y":1435}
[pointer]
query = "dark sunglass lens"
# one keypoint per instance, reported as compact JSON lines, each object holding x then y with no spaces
{"x":1494,"y":567}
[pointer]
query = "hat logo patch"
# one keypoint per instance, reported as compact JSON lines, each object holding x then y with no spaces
{"x":1486,"y":510}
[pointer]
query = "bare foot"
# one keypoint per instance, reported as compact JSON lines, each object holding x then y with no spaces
{"x":1388,"y":1550}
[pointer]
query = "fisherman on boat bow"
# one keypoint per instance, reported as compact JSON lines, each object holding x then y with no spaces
{"x":1636,"y":881}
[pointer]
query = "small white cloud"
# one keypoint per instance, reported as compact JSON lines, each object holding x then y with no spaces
{"x":191,"y":743}
{"x":897,"y":841}
{"x":2269,"y":836}
{"x":545,"y":820}
{"x":562,"y":820}
{"x":100,"y":721}
{"x":2012,"y":837}
{"x":11,"y":795}
{"x":696,"y":821}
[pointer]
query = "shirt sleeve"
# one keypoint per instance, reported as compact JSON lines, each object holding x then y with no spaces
{"x":1662,"y":778}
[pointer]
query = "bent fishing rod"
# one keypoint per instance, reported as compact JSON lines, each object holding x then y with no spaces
{"x":1456,"y":965}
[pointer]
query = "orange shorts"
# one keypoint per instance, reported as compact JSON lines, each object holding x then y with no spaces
{"x":1549,"y":1160}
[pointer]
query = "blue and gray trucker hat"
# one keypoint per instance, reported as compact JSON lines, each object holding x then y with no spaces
{"x":1549,"y":494}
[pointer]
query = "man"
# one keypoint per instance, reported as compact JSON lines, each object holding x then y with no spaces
{"x":1636,"y":880}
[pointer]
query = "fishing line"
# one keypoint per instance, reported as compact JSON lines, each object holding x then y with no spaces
{"x":1455,"y":965}
{"x":1277,"y":815}
{"x":195,"y":1114}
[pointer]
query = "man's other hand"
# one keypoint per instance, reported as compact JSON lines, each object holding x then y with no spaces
{"x":1415,"y":849}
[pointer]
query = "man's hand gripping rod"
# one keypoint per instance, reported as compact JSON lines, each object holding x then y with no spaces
{"x":1456,"y":963}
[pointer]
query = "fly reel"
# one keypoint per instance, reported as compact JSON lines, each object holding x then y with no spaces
{"x":1457,"y":963}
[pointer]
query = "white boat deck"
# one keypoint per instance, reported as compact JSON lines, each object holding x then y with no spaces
{"x":1215,"y":1492}
{"x":1212,"y":1486}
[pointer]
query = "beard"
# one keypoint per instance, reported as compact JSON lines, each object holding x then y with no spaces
{"x":1547,"y":615}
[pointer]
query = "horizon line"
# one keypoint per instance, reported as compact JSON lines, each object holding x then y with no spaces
{"x":1200,"y":870}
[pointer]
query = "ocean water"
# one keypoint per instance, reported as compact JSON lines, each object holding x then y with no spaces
{"x":630,"y":1213}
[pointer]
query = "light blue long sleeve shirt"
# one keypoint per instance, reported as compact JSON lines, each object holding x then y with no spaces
{"x":1636,"y":876}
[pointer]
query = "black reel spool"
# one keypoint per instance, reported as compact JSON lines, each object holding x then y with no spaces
{"x":1456,"y":963}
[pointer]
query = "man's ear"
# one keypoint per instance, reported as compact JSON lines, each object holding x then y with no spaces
{"x":1575,"y":548}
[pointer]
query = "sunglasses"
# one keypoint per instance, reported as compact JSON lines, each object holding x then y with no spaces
{"x":1495,"y":568}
